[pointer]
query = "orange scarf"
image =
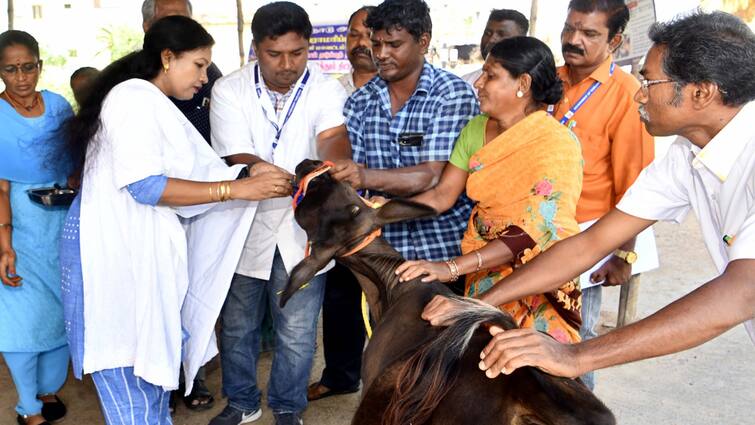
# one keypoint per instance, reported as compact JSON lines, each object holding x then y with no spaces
{"x":529,"y":176}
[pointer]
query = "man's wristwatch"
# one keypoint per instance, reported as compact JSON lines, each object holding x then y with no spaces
{"x":629,"y":256}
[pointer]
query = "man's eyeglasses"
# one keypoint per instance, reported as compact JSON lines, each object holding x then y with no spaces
{"x":644,"y":84}
{"x":26,"y":68}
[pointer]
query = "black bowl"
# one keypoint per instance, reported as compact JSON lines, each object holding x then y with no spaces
{"x":52,"y":196}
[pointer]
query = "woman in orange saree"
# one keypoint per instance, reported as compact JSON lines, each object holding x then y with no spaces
{"x":524,"y":172}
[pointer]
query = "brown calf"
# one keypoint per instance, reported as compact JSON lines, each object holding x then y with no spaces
{"x":414,"y":373}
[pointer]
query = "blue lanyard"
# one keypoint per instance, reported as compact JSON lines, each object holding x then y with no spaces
{"x":570,"y":113}
{"x":297,"y":95}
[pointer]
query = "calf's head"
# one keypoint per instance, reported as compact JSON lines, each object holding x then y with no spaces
{"x":336,"y":220}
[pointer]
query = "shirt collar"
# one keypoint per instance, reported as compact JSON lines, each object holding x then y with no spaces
{"x":350,"y":80}
{"x":602,"y":73}
{"x":275,"y":93}
{"x":426,"y":79}
{"x":723,"y":150}
{"x":424,"y":85}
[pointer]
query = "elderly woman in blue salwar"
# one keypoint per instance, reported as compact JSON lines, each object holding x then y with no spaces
{"x":32,"y":333}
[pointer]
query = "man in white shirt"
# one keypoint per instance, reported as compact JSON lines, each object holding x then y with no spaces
{"x":502,"y":24}
{"x":273,"y":114}
{"x":358,"y":51}
{"x":698,"y":83}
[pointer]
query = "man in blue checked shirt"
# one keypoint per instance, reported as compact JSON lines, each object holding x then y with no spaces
{"x":403,"y":126}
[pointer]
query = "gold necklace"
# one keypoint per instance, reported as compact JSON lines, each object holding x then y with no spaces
{"x":16,"y":104}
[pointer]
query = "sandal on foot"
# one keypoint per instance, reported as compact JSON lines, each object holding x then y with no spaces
{"x":200,"y":398}
{"x":22,"y":420}
{"x":54,"y":411}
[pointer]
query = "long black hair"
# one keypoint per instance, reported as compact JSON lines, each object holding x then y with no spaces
{"x":177,"y":34}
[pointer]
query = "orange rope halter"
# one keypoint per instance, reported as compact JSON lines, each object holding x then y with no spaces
{"x":370,"y":237}
{"x":302,"y":191}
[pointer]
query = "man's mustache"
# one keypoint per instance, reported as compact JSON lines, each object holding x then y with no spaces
{"x":570,"y":48}
{"x":361,"y":50}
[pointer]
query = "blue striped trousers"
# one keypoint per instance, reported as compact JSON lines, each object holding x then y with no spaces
{"x":127,"y":399}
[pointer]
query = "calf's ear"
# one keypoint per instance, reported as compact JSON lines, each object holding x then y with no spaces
{"x":400,"y":209}
{"x":306,"y":270}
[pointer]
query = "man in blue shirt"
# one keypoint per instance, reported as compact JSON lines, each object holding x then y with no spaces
{"x":402,"y":128}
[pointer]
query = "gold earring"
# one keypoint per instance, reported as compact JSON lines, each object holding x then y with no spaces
{"x":519,"y":94}
{"x":166,"y":66}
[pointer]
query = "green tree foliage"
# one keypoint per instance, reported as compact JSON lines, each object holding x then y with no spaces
{"x":119,"y":41}
{"x":54,"y":72}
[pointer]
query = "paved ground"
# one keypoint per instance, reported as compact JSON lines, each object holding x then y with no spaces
{"x":709,"y":384}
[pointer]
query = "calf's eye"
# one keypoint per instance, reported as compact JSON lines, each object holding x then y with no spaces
{"x":355,"y":210}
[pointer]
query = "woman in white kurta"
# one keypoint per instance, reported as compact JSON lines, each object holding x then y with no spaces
{"x":124,"y":250}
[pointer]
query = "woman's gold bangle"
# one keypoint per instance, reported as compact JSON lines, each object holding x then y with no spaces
{"x":479,"y":260}
{"x":220,"y":192}
{"x":453,"y":268}
{"x":8,"y":225}
{"x":224,"y":191}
